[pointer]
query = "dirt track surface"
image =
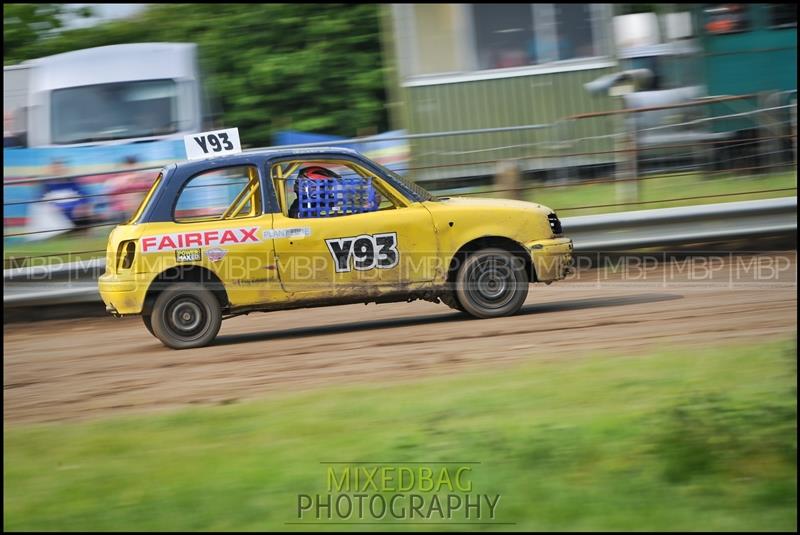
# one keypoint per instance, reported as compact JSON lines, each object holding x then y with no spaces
{"x":74,"y":369}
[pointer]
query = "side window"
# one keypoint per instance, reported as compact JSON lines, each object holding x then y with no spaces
{"x":146,"y":200}
{"x":229,"y":193}
{"x":313,"y":189}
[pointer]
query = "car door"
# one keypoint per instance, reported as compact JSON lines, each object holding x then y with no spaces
{"x":372,"y":252}
{"x":220,"y":225}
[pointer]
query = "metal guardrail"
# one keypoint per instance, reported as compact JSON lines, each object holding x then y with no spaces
{"x":50,"y":293}
{"x":83,"y":269}
{"x":682,"y":225}
{"x":76,"y":282}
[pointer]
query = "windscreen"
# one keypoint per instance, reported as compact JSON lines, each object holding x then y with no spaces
{"x":409,"y":188}
{"x":114,"y":111}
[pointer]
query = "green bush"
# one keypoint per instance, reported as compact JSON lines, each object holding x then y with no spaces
{"x":708,"y":433}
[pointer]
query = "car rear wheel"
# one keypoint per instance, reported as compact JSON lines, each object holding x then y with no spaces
{"x":186,"y":315}
{"x":148,"y":323}
{"x":449,"y":298}
{"x":492,"y":283}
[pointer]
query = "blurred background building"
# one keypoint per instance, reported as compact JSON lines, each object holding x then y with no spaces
{"x":481,"y":66}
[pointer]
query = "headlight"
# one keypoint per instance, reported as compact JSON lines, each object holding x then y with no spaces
{"x":555,"y":224}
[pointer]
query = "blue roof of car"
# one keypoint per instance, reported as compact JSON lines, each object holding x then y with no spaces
{"x":261,"y":155}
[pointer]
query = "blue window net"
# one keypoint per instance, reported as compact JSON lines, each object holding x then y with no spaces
{"x":335,"y":196}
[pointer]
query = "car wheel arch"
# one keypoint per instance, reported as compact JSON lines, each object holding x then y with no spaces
{"x":483,"y":242}
{"x":187,"y":273}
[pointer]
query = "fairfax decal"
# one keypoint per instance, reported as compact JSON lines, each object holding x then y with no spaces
{"x":170,"y":242}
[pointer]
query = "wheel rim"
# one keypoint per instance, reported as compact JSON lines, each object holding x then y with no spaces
{"x":186,"y":317}
{"x":491,"y":282}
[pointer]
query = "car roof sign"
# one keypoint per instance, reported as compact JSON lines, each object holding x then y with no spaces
{"x":212,"y":144}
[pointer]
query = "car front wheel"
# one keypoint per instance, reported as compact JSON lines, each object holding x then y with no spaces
{"x":492,"y":283}
{"x":186,"y":315}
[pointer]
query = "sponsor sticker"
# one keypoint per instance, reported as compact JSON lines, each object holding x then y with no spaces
{"x":245,"y":282}
{"x":216,"y":254}
{"x":182,"y":240}
{"x":188,"y":255}
{"x":296,"y":233}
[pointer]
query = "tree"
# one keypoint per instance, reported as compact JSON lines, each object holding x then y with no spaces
{"x":24,"y":25}
{"x":310,"y":67}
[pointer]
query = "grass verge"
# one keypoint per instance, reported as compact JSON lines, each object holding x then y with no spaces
{"x":677,"y":440}
{"x":652,"y":191}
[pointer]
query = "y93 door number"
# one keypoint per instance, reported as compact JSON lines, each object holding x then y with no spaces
{"x":376,"y":251}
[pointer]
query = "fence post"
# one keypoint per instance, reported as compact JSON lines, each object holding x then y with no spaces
{"x":794,"y":139}
{"x":507,"y":178}
{"x":764,"y":147}
{"x":627,"y":190}
{"x":13,"y":262}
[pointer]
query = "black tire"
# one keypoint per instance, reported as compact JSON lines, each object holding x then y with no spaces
{"x":186,"y":315}
{"x":448,"y":297}
{"x":491,"y":283}
{"x":148,"y":323}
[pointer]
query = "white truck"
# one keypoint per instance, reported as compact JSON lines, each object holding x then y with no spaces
{"x":111,"y":94}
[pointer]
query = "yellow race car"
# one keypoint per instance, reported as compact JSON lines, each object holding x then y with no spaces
{"x":281,"y":229}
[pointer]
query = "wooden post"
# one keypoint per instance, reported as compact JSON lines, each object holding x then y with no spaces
{"x":794,"y":139}
{"x":762,"y":150}
{"x":627,"y":190}
{"x":13,"y":262}
{"x":507,"y":178}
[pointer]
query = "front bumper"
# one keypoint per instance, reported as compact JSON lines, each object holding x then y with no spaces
{"x":552,"y":258}
{"x":124,"y":295}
